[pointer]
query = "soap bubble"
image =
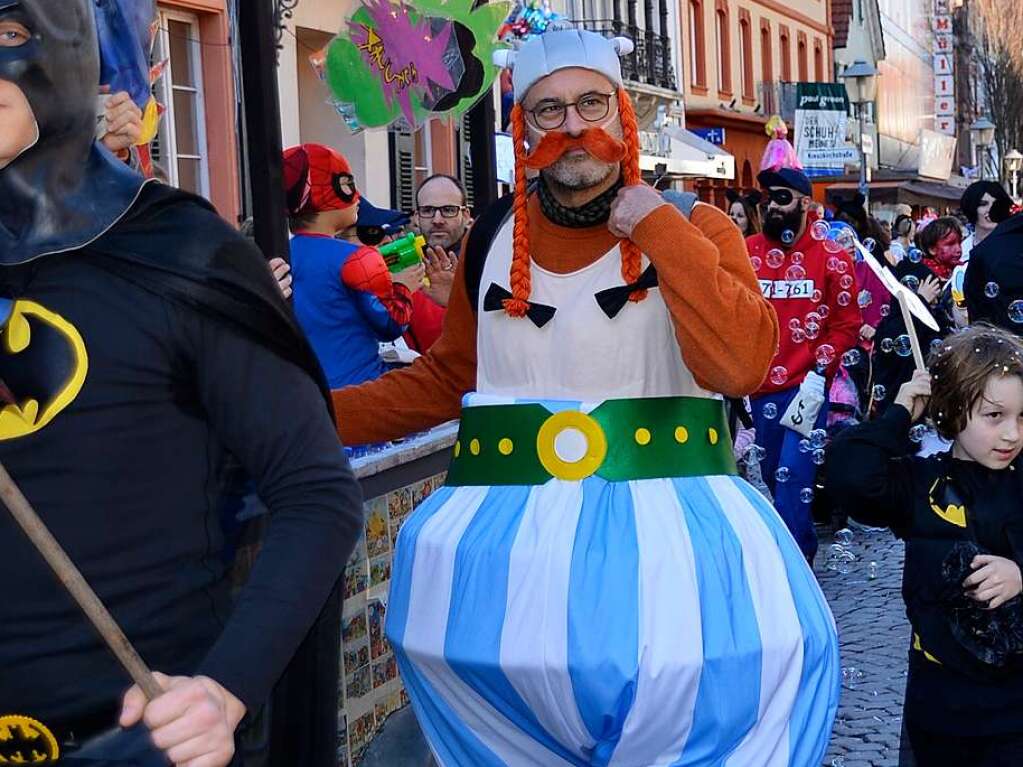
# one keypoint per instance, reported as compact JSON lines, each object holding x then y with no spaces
{"x":1016,"y":312}
{"x":794,"y":323}
{"x":755,"y":454}
{"x":813,"y":331}
{"x":818,"y":439}
{"x":819,"y":230}
{"x":872,"y":571}
{"x":935,"y":347}
{"x":870,"y":244}
{"x":846,"y":282}
{"x":817,"y":297}
{"x":918,"y":432}
{"x":886,"y":310}
{"x":843,"y":267}
{"x":813,"y":317}
{"x":844,"y":536}
{"x":991,"y":289}
{"x":878,"y":393}
{"x":887,"y":345}
{"x":795,"y":273}
{"x":788,"y":237}
{"x":756,"y":263}
{"x":779,"y":375}
{"x":818,"y":457}
{"x":825,"y":354}
{"x":898,"y":252}
{"x":831,"y":246}
{"x":843,"y":298}
{"x":782,"y":474}
{"x":904,"y":346}
{"x":804,"y":446}
{"x":824,"y":311}
{"x":915,"y":255}
{"x":865,"y":299}
{"x":796,"y":258}
{"x":806,"y":495}
{"x":770,"y":411}
{"x":852,"y":358}
{"x":832,"y":264}
{"x":775,"y":258}
{"x":798,"y":336}
{"x":911,"y":281}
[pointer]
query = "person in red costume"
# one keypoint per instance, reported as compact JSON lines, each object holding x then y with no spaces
{"x":810,"y":281}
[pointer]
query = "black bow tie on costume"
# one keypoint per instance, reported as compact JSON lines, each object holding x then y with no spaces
{"x":494,"y":300}
{"x":613,"y":300}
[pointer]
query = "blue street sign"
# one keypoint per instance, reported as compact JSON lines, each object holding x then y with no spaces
{"x":713,"y":135}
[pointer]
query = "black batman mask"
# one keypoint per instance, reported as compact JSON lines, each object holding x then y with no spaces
{"x":66,"y":190}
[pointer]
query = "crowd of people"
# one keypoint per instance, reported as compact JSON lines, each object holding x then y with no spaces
{"x":597,"y":582}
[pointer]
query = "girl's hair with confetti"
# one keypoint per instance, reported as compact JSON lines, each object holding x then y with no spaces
{"x":632,"y":258}
{"x":960,"y":368}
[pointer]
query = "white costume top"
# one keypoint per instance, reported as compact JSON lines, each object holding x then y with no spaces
{"x":581,"y":354}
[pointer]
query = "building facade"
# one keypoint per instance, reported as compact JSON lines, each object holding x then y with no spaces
{"x":736,"y":53}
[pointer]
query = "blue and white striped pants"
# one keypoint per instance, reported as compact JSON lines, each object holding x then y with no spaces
{"x":650,"y":622}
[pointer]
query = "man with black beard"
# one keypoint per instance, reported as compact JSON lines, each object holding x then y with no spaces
{"x":810,"y":282}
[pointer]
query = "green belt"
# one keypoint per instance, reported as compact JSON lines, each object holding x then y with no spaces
{"x":624,"y":439}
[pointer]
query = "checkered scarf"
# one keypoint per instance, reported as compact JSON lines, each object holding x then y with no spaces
{"x":596,"y":211}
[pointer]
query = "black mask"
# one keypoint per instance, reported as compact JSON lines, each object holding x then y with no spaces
{"x":777,"y":222}
{"x":66,"y":190}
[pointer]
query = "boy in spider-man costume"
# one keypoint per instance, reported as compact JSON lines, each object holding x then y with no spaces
{"x":345,"y":298}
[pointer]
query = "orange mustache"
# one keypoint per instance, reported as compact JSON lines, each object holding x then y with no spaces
{"x":596,"y":141}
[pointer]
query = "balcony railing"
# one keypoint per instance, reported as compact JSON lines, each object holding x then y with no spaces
{"x":651,"y":63}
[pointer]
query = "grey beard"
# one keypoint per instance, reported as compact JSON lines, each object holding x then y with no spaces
{"x":562,"y":175}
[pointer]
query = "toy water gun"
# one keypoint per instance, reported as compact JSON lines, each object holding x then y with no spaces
{"x":404,"y":252}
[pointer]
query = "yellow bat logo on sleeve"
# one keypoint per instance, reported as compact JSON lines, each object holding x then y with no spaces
{"x":43,"y":365}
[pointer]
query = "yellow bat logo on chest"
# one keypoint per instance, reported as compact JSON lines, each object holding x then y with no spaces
{"x":43,"y":365}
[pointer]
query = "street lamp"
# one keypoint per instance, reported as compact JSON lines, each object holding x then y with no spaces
{"x":983,"y":134}
{"x":1014,"y":163}
{"x":861,"y":87}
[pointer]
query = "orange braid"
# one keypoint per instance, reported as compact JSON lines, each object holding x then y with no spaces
{"x":632,"y":258}
{"x":518,"y":304}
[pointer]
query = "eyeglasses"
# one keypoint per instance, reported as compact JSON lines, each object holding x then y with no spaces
{"x":550,"y":114}
{"x":447,"y":211}
{"x":781,"y":197}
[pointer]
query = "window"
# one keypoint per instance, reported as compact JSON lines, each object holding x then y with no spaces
{"x":818,"y":61}
{"x":786,"y":55}
{"x":746,"y":56}
{"x":724,"y":49}
{"x":804,"y":74}
{"x":697,"y":64}
{"x":180,"y":147}
{"x":766,"y":67}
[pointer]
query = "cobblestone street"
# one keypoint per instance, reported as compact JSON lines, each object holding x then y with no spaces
{"x":874,"y":636}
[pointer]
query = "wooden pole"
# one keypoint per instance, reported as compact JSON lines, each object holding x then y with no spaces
{"x":76,"y":585}
{"x":907,"y":317}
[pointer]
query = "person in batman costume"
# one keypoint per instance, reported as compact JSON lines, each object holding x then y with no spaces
{"x":147,"y":363}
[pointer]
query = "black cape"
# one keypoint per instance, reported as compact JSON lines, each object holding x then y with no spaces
{"x":173,"y":244}
{"x":998,"y":260}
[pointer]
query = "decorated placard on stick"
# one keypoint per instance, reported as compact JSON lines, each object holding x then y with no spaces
{"x":411,"y":61}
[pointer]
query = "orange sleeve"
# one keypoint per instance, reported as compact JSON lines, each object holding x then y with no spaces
{"x":727,"y":330}
{"x":425,"y":394}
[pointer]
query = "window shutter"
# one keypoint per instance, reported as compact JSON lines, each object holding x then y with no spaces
{"x":403,"y":185}
{"x":464,"y":162}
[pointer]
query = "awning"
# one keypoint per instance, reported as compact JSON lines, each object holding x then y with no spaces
{"x":689,"y":155}
{"x":912,"y":191}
